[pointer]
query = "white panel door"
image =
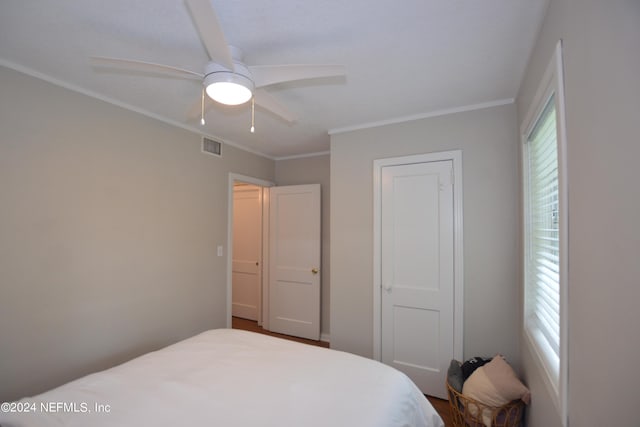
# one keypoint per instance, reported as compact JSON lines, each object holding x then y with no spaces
{"x":417,"y":272}
{"x":247,"y":251}
{"x":294,"y":260}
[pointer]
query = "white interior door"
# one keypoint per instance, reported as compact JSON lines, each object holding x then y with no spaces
{"x":294,"y":260}
{"x":417,"y":272}
{"x":247,"y":251}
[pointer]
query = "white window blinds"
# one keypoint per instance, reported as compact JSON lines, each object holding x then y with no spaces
{"x":542,"y":237}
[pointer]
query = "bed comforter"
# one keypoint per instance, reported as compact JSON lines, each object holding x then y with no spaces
{"x":229,"y":378}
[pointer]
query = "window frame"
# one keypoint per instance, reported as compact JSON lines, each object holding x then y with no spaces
{"x":552,"y":85}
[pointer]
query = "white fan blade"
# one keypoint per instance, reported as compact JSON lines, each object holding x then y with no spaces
{"x":265,"y":75}
{"x":134,"y":65}
{"x":210,"y":32}
{"x":265,"y":100}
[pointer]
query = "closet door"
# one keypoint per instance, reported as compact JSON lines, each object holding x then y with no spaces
{"x":417,"y":271}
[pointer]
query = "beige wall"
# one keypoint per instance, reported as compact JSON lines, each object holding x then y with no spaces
{"x":602,"y":65}
{"x":314,"y":170}
{"x":487,"y":139}
{"x":109,"y":223}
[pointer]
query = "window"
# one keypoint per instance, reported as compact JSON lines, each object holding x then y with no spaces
{"x":545,"y":230}
{"x":542,"y":261}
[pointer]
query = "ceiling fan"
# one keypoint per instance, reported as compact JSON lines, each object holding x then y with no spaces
{"x":226,"y":78}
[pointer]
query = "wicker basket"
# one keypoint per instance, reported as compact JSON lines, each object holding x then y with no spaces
{"x":467,"y":412}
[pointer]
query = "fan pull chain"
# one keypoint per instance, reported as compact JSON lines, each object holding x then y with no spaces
{"x":202,"y":122}
{"x":253,"y":108}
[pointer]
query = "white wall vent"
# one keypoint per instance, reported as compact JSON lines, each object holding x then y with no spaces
{"x":210,"y":146}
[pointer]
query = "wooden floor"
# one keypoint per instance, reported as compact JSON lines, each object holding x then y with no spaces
{"x":441,"y":406}
{"x":250,"y":325}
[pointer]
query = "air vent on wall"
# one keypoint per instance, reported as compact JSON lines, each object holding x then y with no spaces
{"x":210,"y":146}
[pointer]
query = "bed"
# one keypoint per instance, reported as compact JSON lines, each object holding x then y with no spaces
{"x":226,"y":377}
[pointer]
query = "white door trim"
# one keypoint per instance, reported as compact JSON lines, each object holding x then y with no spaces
{"x":234,"y":177}
{"x":458,"y":275}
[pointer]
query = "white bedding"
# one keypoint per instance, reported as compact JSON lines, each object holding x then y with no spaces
{"x":231,"y":378}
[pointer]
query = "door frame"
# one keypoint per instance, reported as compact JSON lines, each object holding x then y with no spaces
{"x":455,"y":156}
{"x":233,"y":178}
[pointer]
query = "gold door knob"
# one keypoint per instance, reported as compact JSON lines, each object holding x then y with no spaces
{"x":314,"y":270}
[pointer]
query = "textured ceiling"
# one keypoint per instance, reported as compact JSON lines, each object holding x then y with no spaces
{"x":403,"y":58}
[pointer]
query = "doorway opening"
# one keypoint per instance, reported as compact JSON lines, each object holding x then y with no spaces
{"x":246,"y":271}
{"x":247,"y":243}
{"x":273,"y":261}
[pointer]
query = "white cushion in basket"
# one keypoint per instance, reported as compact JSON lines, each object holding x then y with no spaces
{"x":494,"y":384}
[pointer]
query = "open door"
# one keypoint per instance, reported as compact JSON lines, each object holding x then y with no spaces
{"x":294,"y":260}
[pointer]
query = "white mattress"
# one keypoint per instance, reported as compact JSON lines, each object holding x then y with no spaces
{"x":231,"y":378}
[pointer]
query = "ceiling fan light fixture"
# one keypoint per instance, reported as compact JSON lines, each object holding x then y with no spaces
{"x":228,"y":88}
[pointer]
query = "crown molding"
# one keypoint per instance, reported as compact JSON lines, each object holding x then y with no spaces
{"x":60,"y":83}
{"x":436,"y":113}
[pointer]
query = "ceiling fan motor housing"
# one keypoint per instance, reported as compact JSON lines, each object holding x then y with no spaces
{"x":216,"y":73}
